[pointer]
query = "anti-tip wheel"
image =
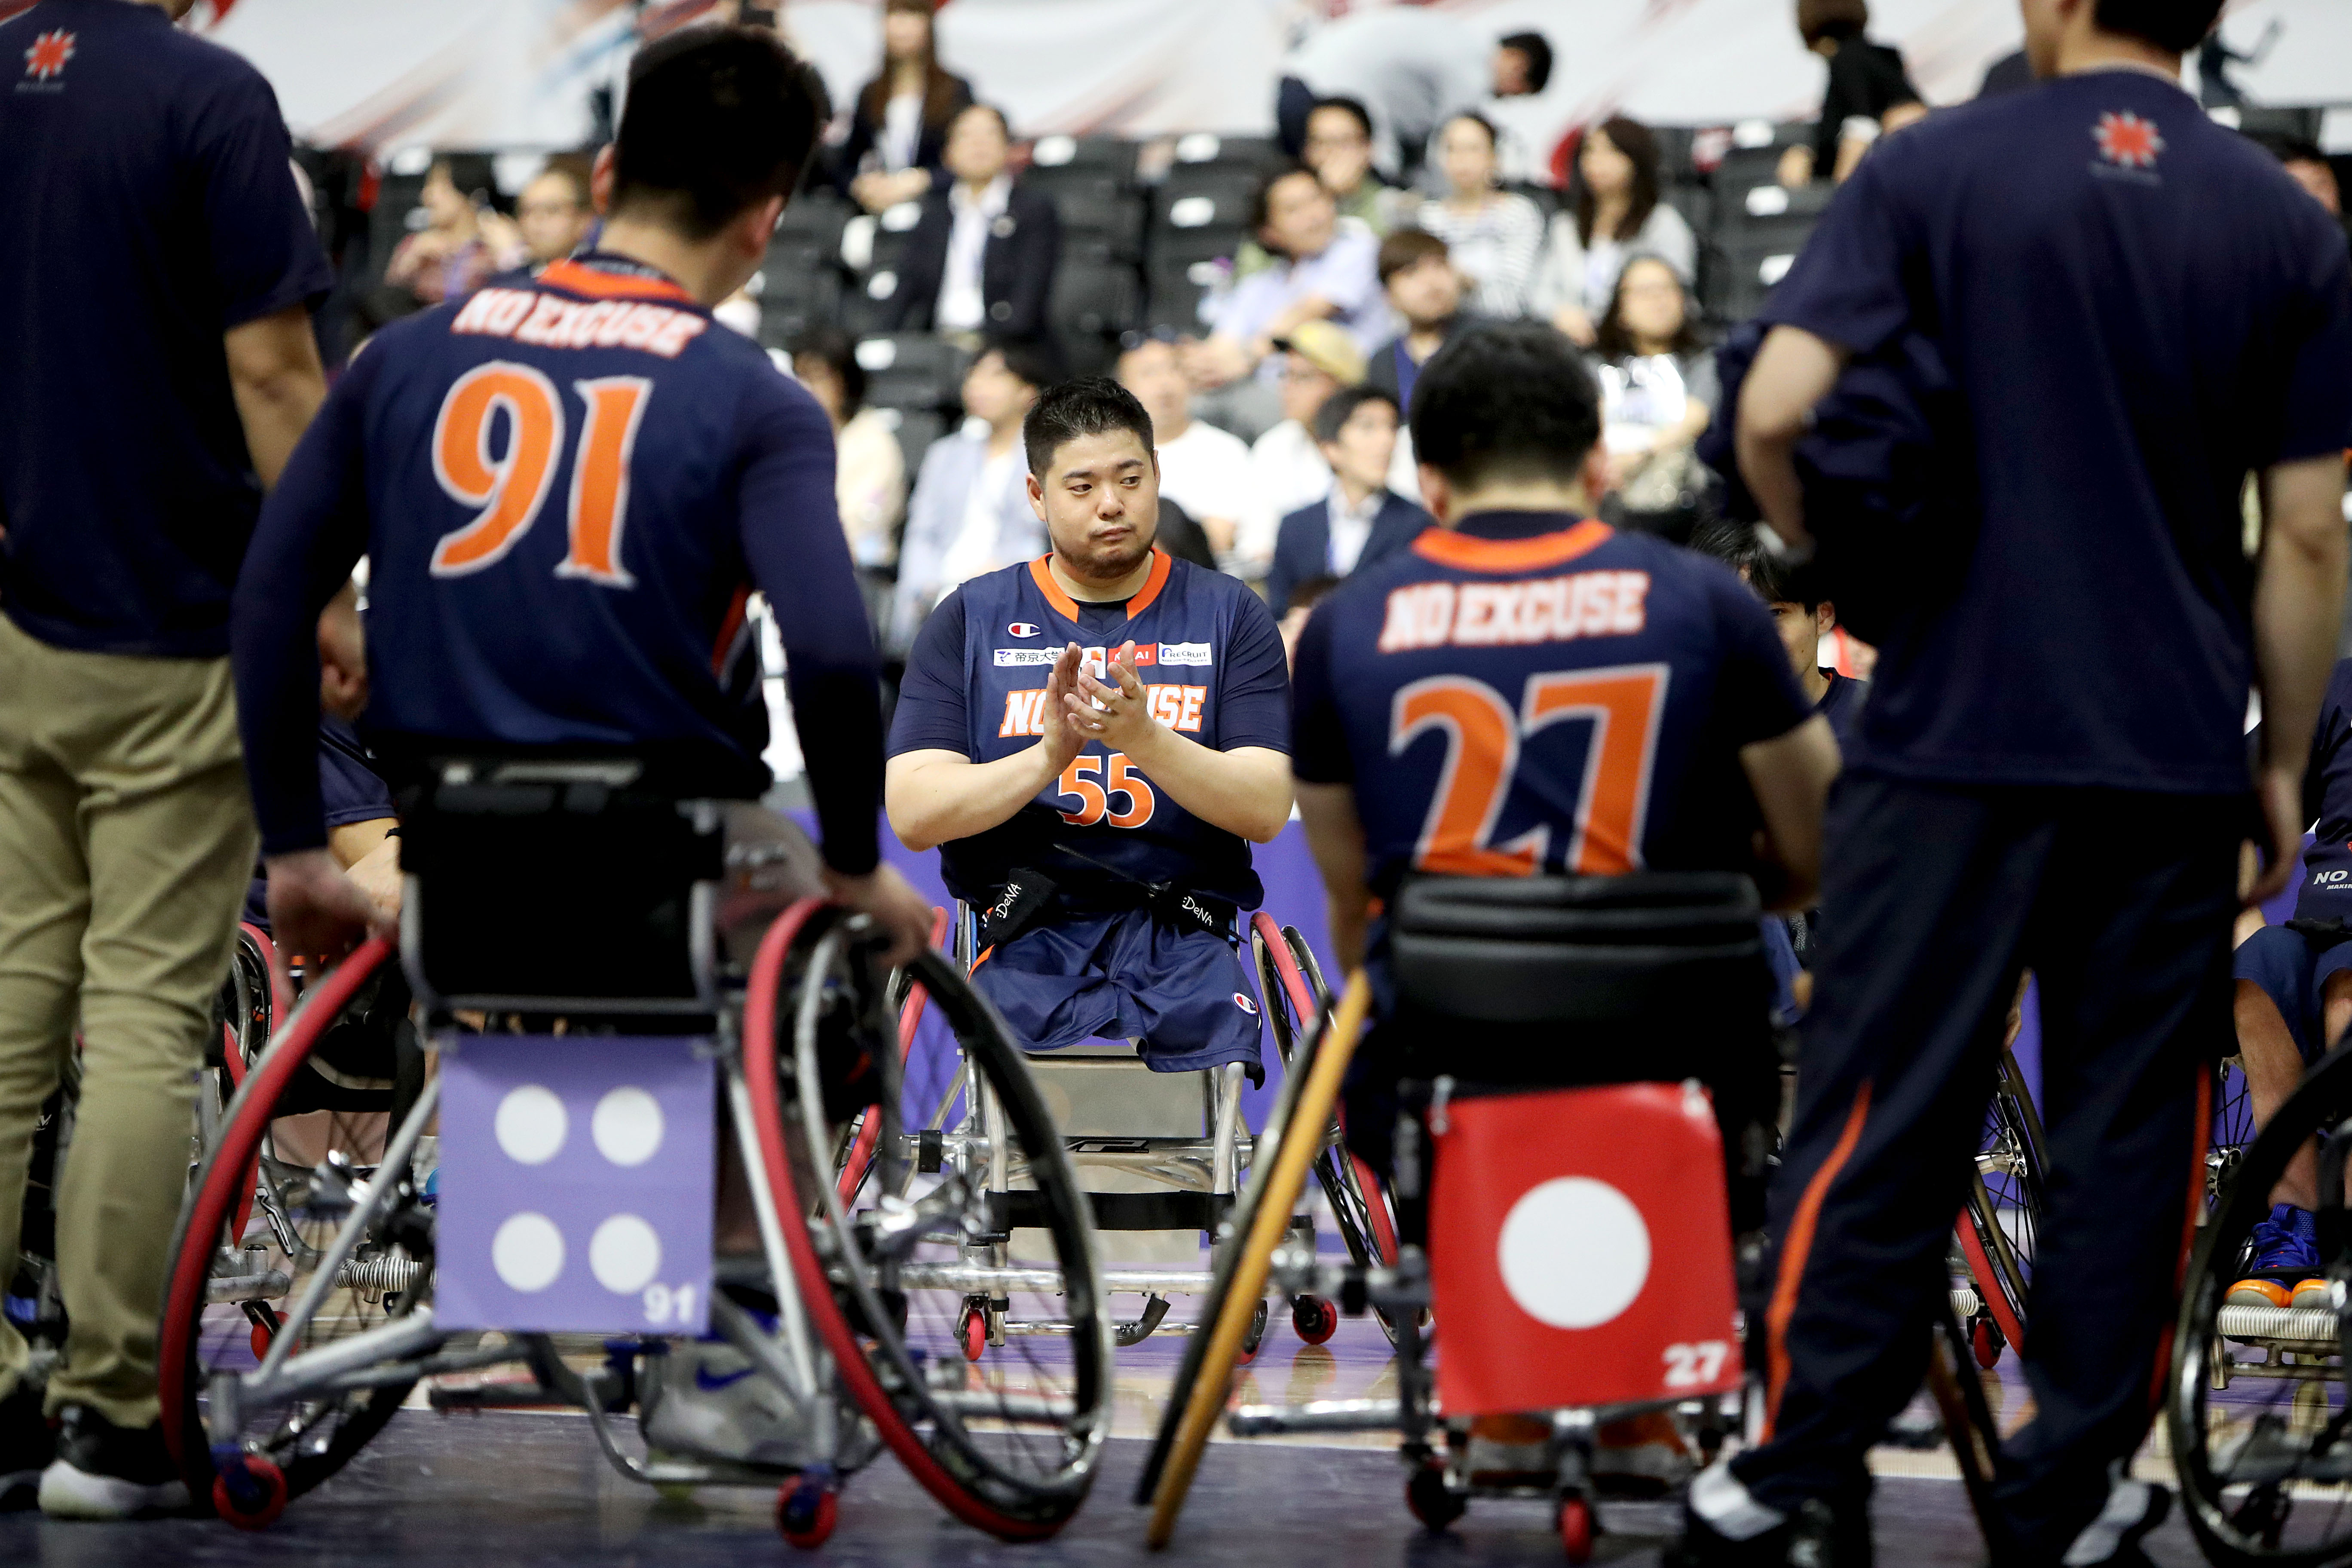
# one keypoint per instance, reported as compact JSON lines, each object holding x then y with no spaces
{"x":806,"y":1511}
{"x":1985,"y":1341}
{"x":1576,"y":1528}
{"x":249,"y":1491}
{"x":1253,"y":1342}
{"x":1432,"y":1503}
{"x":1316,"y":1318}
{"x":972,"y":1333}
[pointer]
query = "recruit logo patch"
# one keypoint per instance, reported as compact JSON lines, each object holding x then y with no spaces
{"x":1024,"y":628}
{"x":1195,"y":653}
{"x":2126,"y":140}
{"x":48,"y":55}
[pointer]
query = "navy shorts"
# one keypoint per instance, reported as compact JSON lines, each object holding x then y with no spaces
{"x":1123,"y":976}
{"x":2292,"y":971}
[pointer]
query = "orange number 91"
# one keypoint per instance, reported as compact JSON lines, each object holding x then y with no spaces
{"x":510,"y":488}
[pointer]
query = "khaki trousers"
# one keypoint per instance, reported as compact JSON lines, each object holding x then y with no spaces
{"x":126,"y":844}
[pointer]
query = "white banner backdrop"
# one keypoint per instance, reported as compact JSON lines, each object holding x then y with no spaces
{"x":519,"y":73}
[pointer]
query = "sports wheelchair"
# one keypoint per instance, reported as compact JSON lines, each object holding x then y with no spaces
{"x":1546,"y":1170}
{"x":1160,"y":1183}
{"x":689,"y":952}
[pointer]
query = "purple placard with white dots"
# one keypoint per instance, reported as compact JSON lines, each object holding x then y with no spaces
{"x":575,"y":1186}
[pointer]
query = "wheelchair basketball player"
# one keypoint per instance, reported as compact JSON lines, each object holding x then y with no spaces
{"x":567,"y":489}
{"x":1525,"y":692}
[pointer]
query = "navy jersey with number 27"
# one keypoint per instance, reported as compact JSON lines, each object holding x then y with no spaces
{"x":1529,"y":693}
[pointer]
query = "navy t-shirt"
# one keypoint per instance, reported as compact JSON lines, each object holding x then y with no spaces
{"x":1211,"y":655}
{"x":2139,"y":308}
{"x":148,"y":202}
{"x":1841,"y":705}
{"x":1531,"y":692}
{"x":348,"y":787}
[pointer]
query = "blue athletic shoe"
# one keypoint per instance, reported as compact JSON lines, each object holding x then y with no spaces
{"x":2285,"y":1250}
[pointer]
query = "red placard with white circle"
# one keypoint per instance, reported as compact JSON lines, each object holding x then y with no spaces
{"x":1580,"y":1250}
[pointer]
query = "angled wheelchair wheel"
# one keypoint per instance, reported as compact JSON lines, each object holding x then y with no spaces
{"x":1291,"y":983}
{"x":2000,"y":1224}
{"x":1010,"y":1444}
{"x":255,"y":1268}
{"x":2257,"y":1410}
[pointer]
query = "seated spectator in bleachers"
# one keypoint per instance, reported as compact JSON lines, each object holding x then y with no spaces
{"x":1361,"y":520}
{"x":1324,"y":269}
{"x":869,"y":472}
{"x":1494,"y":236}
{"x":970,"y":512}
{"x":899,"y":124}
{"x":464,"y":242}
{"x":2307,"y":166}
{"x":1869,"y":93}
{"x":1658,"y":390}
{"x":1340,"y":150}
{"x":980,"y":264}
{"x":1414,"y":68}
{"x":1417,"y":272}
{"x":1203,"y":470}
{"x":553,"y":212}
{"x":1614,"y":211}
{"x":1287,"y":463}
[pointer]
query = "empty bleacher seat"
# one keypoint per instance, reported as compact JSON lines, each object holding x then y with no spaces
{"x":1096,"y":291}
{"x":1099,"y":157}
{"x":911,"y":371}
{"x":1095,"y":207}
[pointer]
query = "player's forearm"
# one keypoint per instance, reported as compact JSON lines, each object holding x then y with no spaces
{"x":277,"y":384}
{"x":2298,"y":604}
{"x":1793,"y":372}
{"x":937,"y":799}
{"x":1335,"y":836}
{"x":1245,"y":792}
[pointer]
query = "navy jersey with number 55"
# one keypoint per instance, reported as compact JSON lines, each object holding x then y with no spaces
{"x":1529,"y":693}
{"x":1208,"y":652}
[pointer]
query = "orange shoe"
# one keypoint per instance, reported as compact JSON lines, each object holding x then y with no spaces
{"x":2313,"y":1293}
{"x":1511,"y":1451}
{"x":2258,"y":1293}
{"x":1646,"y":1455}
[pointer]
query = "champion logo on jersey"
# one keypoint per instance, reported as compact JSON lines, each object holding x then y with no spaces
{"x":1241,"y":1001}
{"x":48,"y":55}
{"x":2126,"y":140}
{"x":1024,"y":628}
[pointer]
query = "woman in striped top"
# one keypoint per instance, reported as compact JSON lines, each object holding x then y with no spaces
{"x":1494,"y":236}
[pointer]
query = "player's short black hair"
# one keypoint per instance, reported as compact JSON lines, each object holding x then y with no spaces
{"x":1349,"y":106}
{"x":1538,"y":51}
{"x":1736,"y":545}
{"x":717,"y":119}
{"x":1839,"y":19}
{"x":1090,"y":406}
{"x":2176,"y":26}
{"x":1308,"y":592}
{"x":1340,"y":407}
{"x":1506,"y":400}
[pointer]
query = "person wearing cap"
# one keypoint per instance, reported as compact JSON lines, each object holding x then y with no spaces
{"x":1360,"y":518}
{"x":1286,"y":466}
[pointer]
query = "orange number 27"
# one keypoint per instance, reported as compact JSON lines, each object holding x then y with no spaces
{"x":1483,"y":739}
{"x":509,"y":488}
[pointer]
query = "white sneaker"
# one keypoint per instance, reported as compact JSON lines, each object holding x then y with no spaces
{"x":709,"y":1399}
{"x":104,"y":1471}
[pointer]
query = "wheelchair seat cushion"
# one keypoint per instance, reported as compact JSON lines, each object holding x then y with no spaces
{"x":1126,"y":975}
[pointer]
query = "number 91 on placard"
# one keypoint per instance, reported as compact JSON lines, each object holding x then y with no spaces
{"x":670,"y":1306}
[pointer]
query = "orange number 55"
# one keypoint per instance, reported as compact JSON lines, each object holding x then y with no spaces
{"x":1093,"y":799}
{"x":508,"y":489}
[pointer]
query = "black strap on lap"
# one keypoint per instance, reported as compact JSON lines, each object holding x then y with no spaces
{"x":1028,"y":896}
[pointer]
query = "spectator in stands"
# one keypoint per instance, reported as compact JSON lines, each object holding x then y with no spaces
{"x":1414,"y":68}
{"x":980,"y":264}
{"x":553,"y":214}
{"x":1361,"y":519}
{"x":1203,"y":470}
{"x":2309,"y":167}
{"x":464,"y":242}
{"x":1325,"y":269}
{"x":970,"y":512}
{"x":869,"y":472}
{"x":1494,"y":236}
{"x":1658,"y":390}
{"x":1338,"y":148}
{"x":1286,"y":464}
{"x":1417,"y":273}
{"x":898,"y":126}
{"x":1614,"y":211}
{"x":1870,"y":92}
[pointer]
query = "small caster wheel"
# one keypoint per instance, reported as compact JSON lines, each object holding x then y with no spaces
{"x":806,"y":1511}
{"x":1314,"y":1318}
{"x":249,"y":1491}
{"x":1984,"y":1340}
{"x":1576,"y":1528}
{"x":1256,"y":1339}
{"x":972,"y":1332}
{"x":266,"y":1324}
{"x":1432,"y":1503}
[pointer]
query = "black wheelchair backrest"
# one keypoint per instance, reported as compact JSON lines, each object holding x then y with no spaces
{"x":554,"y":886}
{"x":1636,"y":949}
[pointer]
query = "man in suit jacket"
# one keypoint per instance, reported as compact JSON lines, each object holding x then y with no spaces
{"x":1361,"y":520}
{"x":981,"y":260}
